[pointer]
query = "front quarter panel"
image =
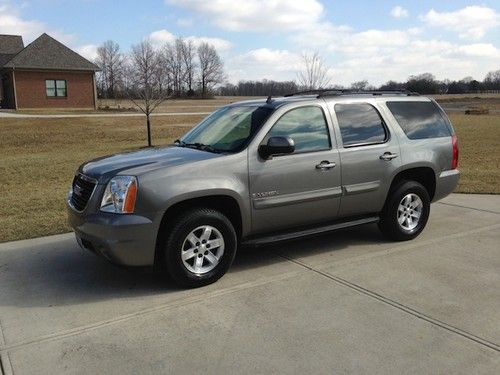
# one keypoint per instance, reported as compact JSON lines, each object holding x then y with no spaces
{"x":223,"y":175}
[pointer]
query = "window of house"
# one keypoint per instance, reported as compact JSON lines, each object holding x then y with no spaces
{"x":55,"y":87}
{"x":306,"y":126}
{"x":360,"y":123}
{"x":420,"y":120}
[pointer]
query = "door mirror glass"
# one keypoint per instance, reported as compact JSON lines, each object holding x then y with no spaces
{"x":277,"y":146}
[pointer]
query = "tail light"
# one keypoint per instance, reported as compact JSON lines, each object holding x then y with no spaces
{"x":454,"y":160}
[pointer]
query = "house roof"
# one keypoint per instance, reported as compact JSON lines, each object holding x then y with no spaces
{"x":47,"y":53}
{"x":10,"y":45}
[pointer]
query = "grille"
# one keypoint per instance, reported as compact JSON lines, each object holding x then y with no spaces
{"x":83,"y":187}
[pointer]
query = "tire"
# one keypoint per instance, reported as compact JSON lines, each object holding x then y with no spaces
{"x":199,"y":248}
{"x":406,"y":211}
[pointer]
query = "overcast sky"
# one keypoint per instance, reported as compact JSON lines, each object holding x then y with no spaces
{"x":373,"y":40}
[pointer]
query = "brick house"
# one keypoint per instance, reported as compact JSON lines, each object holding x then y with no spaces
{"x":44,"y":74}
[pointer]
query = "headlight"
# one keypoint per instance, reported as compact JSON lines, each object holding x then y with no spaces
{"x":119,"y":196}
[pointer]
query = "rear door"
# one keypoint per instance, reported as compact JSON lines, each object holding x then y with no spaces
{"x":300,"y":188}
{"x":369,"y":154}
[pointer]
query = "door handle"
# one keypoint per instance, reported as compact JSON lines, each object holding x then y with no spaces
{"x":325,"y":164}
{"x":388,"y":156}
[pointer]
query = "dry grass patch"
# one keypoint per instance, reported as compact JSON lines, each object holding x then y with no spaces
{"x":39,"y":158}
{"x":479,"y":160}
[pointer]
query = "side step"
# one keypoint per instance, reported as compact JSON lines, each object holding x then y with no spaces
{"x":266,"y":239}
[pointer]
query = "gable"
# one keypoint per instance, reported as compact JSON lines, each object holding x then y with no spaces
{"x":47,"y":53}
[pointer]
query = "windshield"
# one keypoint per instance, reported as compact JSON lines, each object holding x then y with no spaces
{"x":228,"y":129}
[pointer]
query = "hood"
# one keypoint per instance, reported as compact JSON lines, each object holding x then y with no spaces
{"x":102,"y":169}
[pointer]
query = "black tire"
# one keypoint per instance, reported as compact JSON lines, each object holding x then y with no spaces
{"x":389,"y":224}
{"x":175,"y":240}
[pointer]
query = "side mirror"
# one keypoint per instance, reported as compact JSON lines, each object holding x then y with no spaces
{"x":277,"y":146}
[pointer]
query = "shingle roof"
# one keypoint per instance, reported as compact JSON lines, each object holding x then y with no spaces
{"x":47,"y":53}
{"x":5,"y":57}
{"x":9,"y":46}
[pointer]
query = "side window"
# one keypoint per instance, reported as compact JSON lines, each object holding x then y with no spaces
{"x":360,"y":123}
{"x":306,"y":126}
{"x":420,"y":120}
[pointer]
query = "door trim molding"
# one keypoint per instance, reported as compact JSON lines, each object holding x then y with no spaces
{"x":294,"y":198}
{"x":361,"y":188}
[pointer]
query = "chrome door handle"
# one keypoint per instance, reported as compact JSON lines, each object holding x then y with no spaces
{"x":388,"y":156}
{"x":325,"y":164}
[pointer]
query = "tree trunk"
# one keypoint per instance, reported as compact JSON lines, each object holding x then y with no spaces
{"x":148,"y":122}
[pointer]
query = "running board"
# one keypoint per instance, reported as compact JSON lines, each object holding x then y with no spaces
{"x":308,"y":232}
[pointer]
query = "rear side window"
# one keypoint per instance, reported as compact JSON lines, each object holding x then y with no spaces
{"x":420,"y":120}
{"x":306,"y":126}
{"x":360,"y":123}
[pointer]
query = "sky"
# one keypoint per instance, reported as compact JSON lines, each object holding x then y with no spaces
{"x":366,"y":39}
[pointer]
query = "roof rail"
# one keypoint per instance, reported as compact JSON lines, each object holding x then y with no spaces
{"x":339,"y":92}
{"x":310,"y":92}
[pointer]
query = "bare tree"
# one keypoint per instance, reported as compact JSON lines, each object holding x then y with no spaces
{"x":110,"y":61}
{"x":315,"y":73}
{"x":211,"y":68}
{"x":492,"y":80}
{"x":188,"y":59}
{"x":173,"y":58}
{"x":360,"y":85}
{"x":147,"y":91}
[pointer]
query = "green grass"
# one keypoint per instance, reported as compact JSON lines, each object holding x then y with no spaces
{"x":38,"y":158}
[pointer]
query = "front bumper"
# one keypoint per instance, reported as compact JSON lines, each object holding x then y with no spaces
{"x":446,"y":183}
{"x":122,"y":239}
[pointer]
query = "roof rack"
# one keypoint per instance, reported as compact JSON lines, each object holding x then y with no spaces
{"x":339,"y":92}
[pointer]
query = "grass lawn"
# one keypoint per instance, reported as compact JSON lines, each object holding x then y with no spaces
{"x":479,"y":158}
{"x":38,"y":158}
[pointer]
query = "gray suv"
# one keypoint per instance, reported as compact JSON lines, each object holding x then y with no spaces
{"x":262,"y":171}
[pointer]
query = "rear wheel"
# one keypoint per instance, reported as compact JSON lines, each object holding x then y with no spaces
{"x":406,"y":212}
{"x":200,"y":247}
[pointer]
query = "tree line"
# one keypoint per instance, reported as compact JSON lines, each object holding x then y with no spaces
{"x":425,"y":83}
{"x":175,"y":69}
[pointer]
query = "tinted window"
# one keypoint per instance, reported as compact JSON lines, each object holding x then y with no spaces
{"x":306,"y":126}
{"x":420,"y":120}
{"x":359,"y":124}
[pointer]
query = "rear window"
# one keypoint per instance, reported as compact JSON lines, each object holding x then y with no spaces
{"x":360,"y":124}
{"x":420,"y":120}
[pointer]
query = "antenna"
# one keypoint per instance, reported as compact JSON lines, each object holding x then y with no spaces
{"x":269,"y":99}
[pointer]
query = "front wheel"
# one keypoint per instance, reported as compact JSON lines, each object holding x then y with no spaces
{"x":406,"y":212}
{"x":200,"y":247}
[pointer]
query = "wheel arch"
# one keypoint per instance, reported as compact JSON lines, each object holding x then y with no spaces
{"x":225,"y":203}
{"x":425,"y":175}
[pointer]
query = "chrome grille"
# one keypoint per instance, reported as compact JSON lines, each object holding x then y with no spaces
{"x":83,"y":187}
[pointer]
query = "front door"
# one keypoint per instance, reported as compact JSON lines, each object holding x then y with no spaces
{"x":299,"y":188}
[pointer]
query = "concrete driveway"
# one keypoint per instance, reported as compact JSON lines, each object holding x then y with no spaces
{"x":347,"y":302}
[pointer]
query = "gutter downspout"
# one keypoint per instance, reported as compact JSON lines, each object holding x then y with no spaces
{"x":14,"y":87}
{"x":95,"y":91}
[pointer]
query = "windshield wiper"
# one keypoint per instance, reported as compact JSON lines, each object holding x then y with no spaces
{"x":198,"y":146}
